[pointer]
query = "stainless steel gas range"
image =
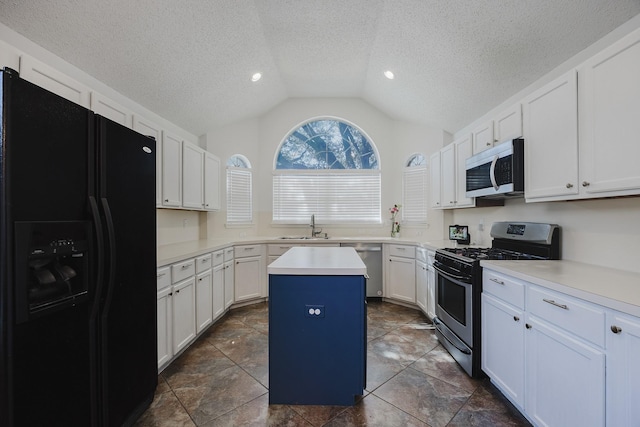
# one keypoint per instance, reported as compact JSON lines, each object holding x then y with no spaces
{"x":459,"y":283}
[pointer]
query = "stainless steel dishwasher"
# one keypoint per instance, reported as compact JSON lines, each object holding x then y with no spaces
{"x":371,"y":255}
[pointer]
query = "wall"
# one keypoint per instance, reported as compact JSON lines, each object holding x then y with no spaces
{"x":258,"y":139}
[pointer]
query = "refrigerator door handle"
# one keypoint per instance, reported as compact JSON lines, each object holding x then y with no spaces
{"x":111,"y":235}
{"x":93,"y":204}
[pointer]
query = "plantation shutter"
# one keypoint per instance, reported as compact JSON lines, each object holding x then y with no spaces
{"x":239,"y":200}
{"x":414,"y":195}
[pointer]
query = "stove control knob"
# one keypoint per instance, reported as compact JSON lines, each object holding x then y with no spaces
{"x":616,"y":329}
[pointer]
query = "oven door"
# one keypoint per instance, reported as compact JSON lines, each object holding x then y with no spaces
{"x":454,"y":302}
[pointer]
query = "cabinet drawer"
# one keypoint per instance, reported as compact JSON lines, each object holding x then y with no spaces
{"x":578,"y":317}
{"x":504,"y":287}
{"x":278,"y":249}
{"x":217,"y":258}
{"x":203,"y":263}
{"x":247,"y":250}
{"x":182,"y":270}
{"x":164,"y":277}
{"x":402,"y":251}
{"x":228,"y":254}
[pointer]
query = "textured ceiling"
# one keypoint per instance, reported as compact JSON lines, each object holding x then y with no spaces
{"x":190,"y":61}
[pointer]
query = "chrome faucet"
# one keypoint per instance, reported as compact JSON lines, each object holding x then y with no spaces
{"x":314,"y":232}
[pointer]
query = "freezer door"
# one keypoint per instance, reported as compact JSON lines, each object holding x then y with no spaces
{"x":126,"y":195}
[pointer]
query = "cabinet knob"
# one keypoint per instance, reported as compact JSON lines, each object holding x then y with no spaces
{"x":516,"y":318}
{"x":586,"y":183}
{"x":488,"y":144}
{"x":616,"y":329}
{"x":569,"y":185}
{"x":166,"y":200}
{"x":528,"y":326}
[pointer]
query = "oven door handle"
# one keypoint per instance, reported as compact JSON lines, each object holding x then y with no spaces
{"x":437,"y":266}
{"x":444,"y":334}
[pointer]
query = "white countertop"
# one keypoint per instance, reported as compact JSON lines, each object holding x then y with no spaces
{"x":319,"y":261}
{"x":616,"y":289}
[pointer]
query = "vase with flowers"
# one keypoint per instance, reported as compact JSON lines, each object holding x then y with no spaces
{"x":395,"y":223}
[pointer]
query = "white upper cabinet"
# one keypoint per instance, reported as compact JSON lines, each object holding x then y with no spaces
{"x":551,"y":140}
{"x":448,"y":176}
{"x":483,"y":137}
{"x":609,"y":105}
{"x":435,"y":193}
{"x":9,"y":57}
{"x":464,"y":150}
{"x":211,"y":182}
{"x":53,"y":80}
{"x":111,"y":110}
{"x":147,"y":127}
{"x":171,"y":170}
{"x":192,"y":176}
{"x":508,"y":124}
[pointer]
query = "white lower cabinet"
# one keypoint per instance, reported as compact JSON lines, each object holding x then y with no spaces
{"x":400,"y":273}
{"x":218,"y":284}
{"x":165,"y":317}
{"x":421,"y":285}
{"x":503,"y":347}
{"x":229,"y":295}
{"x":184,"y":316}
{"x":561,"y":360}
{"x":623,"y":369}
{"x":564,"y":377}
{"x":204,"y":300}
{"x":431,"y":285}
{"x":249,"y":272}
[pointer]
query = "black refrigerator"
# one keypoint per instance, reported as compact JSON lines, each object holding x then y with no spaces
{"x":77,"y":263}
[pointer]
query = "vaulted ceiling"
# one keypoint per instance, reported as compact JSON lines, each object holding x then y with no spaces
{"x":191,"y":61}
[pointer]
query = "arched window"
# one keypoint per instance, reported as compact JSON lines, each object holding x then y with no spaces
{"x":329,"y":168}
{"x":414,"y":190}
{"x":239,"y":190}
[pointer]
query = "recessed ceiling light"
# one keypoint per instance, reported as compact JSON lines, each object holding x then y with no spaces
{"x":256,"y":77}
{"x":389,"y":74}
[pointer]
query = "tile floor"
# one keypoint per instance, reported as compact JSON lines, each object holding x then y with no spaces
{"x":223,"y":380}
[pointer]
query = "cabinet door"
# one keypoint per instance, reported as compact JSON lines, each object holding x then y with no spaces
{"x":171,"y":170}
{"x":248,"y":278}
{"x":435,"y":193}
{"x":204,"y":300}
{"x":229,"y":296}
{"x":508,"y":124}
{"x":503,"y":347}
{"x":53,"y":80}
{"x":184,"y":316}
{"x":431,"y":292}
{"x":113,"y":111}
{"x":483,"y":137}
{"x":402,"y":279}
{"x":421,"y":286}
{"x":148,"y":128}
{"x":623,"y":370}
{"x":565,"y":378}
{"x":448,"y":176}
{"x":609,"y":96}
{"x":464,"y":150}
{"x":551,"y":140}
{"x":211,"y":182}
{"x":192,"y":176}
{"x":165,"y":326}
{"x":218,"y":290}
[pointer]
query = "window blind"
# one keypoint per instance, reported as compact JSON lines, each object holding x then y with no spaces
{"x":414,"y":195}
{"x":239,"y":200}
{"x":334,"y":196}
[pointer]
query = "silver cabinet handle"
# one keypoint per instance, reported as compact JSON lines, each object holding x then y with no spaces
{"x":184,"y":267}
{"x":552,"y":302}
{"x":586,"y":183}
{"x":499,"y":282}
{"x":616,"y":329}
{"x":569,"y":185}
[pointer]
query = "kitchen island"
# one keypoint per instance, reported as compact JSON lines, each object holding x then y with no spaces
{"x":317,"y":327}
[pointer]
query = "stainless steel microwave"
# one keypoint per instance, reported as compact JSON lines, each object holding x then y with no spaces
{"x":497,"y":172}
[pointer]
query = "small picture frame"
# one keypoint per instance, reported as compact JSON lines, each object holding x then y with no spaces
{"x":460,"y":233}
